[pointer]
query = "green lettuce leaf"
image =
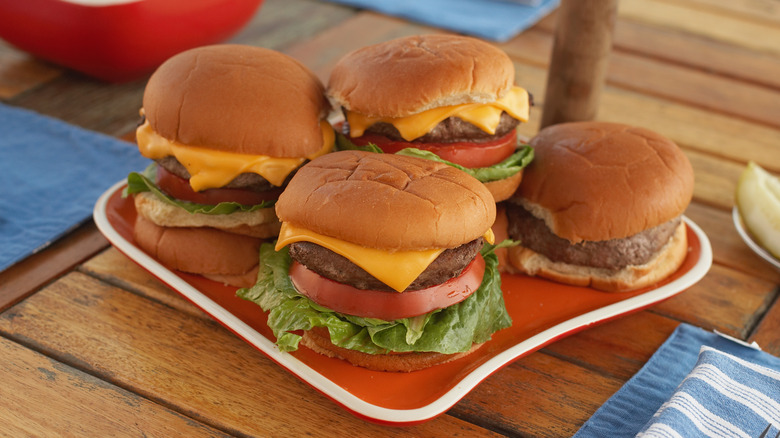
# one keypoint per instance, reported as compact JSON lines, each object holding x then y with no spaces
{"x":344,"y":144}
{"x":447,"y":331}
{"x":144,"y":182}
{"x":506,"y":168}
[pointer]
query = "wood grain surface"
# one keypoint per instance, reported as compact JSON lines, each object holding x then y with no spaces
{"x":93,"y":345}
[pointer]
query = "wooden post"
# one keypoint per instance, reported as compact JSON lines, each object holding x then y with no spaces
{"x":583,"y":40}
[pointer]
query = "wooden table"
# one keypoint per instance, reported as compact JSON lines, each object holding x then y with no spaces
{"x":92,"y":345}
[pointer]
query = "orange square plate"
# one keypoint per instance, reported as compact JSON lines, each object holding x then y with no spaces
{"x":542,"y":312}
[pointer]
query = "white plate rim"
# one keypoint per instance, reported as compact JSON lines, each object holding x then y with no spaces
{"x":352,"y":402}
{"x":748,"y":239}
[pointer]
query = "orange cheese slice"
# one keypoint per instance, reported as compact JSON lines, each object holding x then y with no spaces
{"x":210,"y":168}
{"x":486,"y":116}
{"x":397,"y":269}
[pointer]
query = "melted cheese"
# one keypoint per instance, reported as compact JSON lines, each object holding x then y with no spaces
{"x":397,"y":269}
{"x":210,"y":168}
{"x":486,"y":116}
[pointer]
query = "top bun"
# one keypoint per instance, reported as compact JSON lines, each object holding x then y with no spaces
{"x":387,"y":201}
{"x":237,"y":98}
{"x":598,"y":181}
{"x":418,"y":73}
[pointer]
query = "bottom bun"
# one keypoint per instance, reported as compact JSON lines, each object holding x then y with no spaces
{"x":221,"y":256}
{"x":318,"y":340}
{"x":503,"y":189}
{"x":664,"y":264}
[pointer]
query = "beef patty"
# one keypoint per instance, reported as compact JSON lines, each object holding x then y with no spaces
{"x":613,"y":254}
{"x":449,"y":130}
{"x":328,"y":264}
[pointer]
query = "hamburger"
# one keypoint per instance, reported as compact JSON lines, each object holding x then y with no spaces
{"x":384,"y":261}
{"x":601,"y":206}
{"x":226,"y":126}
{"x":442,"y":97}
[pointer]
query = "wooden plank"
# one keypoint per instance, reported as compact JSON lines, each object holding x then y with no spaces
{"x":192,"y":365}
{"x":696,"y":88}
{"x":20,"y":72}
{"x":108,"y":108}
{"x":43,"y":397}
{"x":280,"y":23}
{"x":701,"y":53}
{"x":715,"y":180}
{"x":26,"y":276}
{"x":725,"y":299}
{"x":533,"y":46}
{"x":617,"y":348}
{"x":767,"y":333}
{"x":749,"y":34}
{"x":117,"y":269}
{"x":538,"y":395}
{"x":767,"y":11}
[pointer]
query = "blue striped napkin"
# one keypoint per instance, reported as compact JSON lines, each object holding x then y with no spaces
{"x":496,"y":20}
{"x":698,"y":383}
{"x":722,"y":396}
{"x":51,"y":174}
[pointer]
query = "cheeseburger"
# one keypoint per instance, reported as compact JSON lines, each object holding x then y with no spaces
{"x":441,"y":97}
{"x":601,"y":206}
{"x":227,"y":125}
{"x":382,"y":261}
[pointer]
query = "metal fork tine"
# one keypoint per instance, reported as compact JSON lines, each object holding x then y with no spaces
{"x":766,"y":431}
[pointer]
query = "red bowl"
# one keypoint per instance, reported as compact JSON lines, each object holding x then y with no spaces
{"x":118,"y":40}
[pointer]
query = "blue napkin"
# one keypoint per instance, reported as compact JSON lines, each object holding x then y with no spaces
{"x":51,"y":174}
{"x":698,"y":383}
{"x":496,"y":20}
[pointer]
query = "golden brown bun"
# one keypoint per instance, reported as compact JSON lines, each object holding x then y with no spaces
{"x":225,"y":257}
{"x":318,"y":340}
{"x":420,"y":72}
{"x":600,"y":181}
{"x":503,"y":189}
{"x":664,"y":264}
{"x":259,"y":223}
{"x":387,"y":201}
{"x":239,"y":99}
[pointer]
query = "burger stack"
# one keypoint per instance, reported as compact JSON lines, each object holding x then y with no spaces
{"x":441,"y":97}
{"x":227,"y":126}
{"x":381,"y":251}
{"x":382,"y":260}
{"x":601,"y":206}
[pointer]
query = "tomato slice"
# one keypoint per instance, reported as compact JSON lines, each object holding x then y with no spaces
{"x":467,"y":154}
{"x":388,"y":306}
{"x":180,"y":188}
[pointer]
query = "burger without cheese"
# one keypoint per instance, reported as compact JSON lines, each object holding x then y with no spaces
{"x":382,"y":261}
{"x":226,"y":125}
{"x":601,"y":206}
{"x":442,"y":97}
